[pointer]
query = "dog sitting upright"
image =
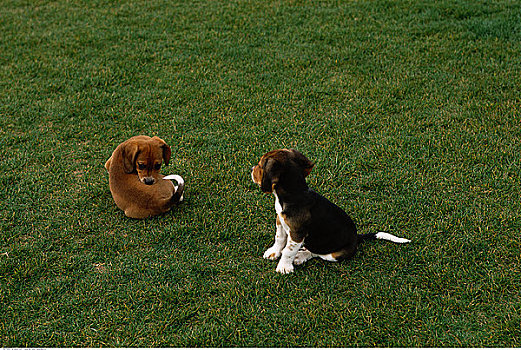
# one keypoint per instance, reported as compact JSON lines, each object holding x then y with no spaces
{"x":134,"y":179}
{"x":308,"y":225}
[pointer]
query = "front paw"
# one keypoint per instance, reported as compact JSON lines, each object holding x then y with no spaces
{"x":284,"y":267}
{"x":272,"y":253}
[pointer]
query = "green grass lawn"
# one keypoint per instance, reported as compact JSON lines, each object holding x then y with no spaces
{"x":410,"y":109}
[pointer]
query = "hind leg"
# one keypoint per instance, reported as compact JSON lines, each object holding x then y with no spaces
{"x":345,"y":253}
{"x":302,"y":256}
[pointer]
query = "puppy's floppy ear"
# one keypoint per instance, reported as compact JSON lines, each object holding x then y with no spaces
{"x":129,"y":152}
{"x":167,"y":151}
{"x":303,"y":162}
{"x":270,"y":175}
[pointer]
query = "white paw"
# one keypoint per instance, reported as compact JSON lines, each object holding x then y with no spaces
{"x":272,"y":253}
{"x":284,"y":267}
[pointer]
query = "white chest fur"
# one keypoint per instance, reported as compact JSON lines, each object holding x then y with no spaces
{"x":278,"y":207}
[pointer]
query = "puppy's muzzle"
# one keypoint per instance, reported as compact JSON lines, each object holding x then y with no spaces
{"x":148,"y":180}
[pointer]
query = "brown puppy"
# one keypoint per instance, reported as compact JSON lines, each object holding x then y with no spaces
{"x":308,"y":225}
{"x":134,"y":179}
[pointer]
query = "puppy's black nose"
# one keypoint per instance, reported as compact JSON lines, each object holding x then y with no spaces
{"x":149,"y":181}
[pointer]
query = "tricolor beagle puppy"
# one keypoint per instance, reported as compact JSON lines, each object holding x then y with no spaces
{"x":308,"y":225}
{"x":134,"y":179}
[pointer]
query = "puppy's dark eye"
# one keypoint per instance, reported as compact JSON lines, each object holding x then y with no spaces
{"x":157,"y":166}
{"x":141,"y":166}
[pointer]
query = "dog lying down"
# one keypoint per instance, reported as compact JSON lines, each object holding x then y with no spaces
{"x":308,"y":225}
{"x":134,"y":179}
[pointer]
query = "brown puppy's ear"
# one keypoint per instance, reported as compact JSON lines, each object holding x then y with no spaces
{"x":129,"y":152}
{"x":167,"y":151}
{"x":270,"y":176}
{"x":303,"y":162}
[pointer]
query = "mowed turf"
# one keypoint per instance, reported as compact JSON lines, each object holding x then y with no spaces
{"x":410,"y":109}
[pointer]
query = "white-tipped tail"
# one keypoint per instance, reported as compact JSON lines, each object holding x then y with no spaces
{"x":390,"y":237}
{"x":177,"y":178}
{"x":179,"y":189}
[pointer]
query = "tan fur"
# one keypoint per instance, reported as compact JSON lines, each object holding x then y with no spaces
{"x":134,"y":179}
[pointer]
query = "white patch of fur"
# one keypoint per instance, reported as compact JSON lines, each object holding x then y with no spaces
{"x":328,"y":257}
{"x":274,"y":252}
{"x":278,"y":207}
{"x":302,"y":256}
{"x":177,"y":178}
{"x":180,"y":181}
{"x":281,"y":236}
{"x":253,"y":177}
{"x":291,"y":249}
{"x":389,"y":237}
{"x":288,"y":255}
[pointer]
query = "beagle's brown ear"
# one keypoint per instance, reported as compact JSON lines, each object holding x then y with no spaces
{"x":270,"y":176}
{"x":167,"y":151}
{"x":303,"y":162}
{"x":129,"y":152}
